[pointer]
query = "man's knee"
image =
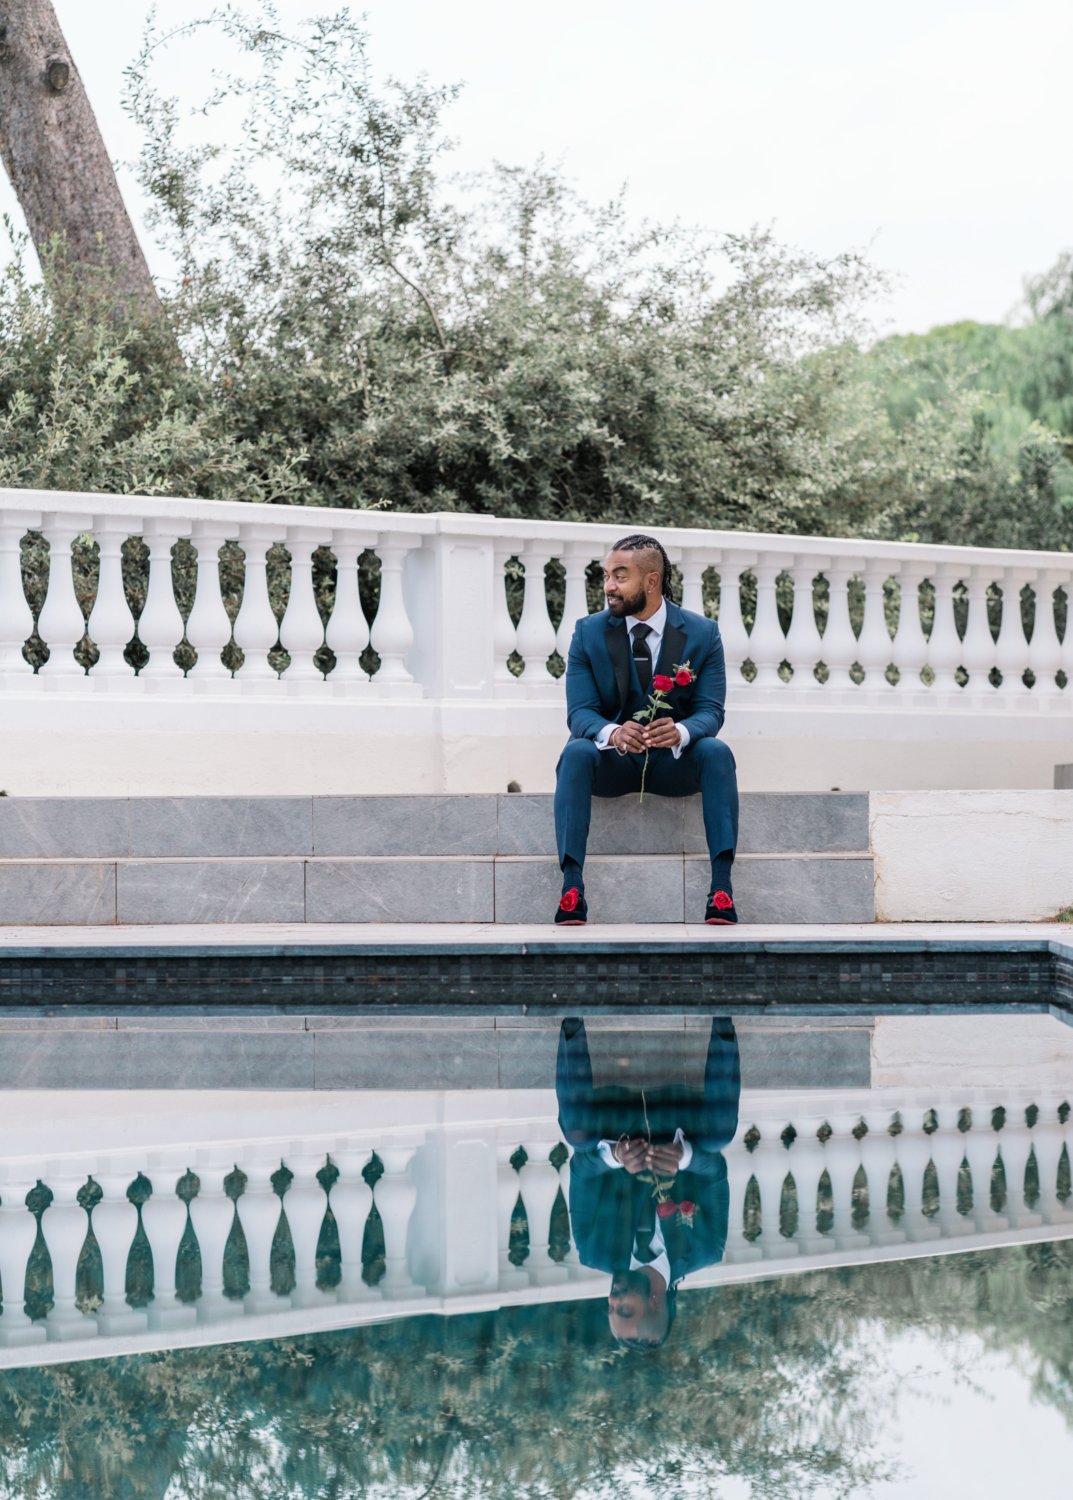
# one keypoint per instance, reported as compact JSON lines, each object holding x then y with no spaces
{"x":579,"y":758}
{"x":713,"y":757}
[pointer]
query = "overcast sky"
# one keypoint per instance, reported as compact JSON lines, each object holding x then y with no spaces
{"x":937,"y":130}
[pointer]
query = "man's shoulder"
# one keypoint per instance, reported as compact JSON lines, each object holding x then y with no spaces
{"x":690,"y":621}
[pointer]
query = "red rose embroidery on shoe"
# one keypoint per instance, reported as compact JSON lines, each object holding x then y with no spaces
{"x":569,"y":900}
{"x":683,"y":677}
{"x":665,"y":1210}
{"x":662,"y":684}
{"x":721,"y":901}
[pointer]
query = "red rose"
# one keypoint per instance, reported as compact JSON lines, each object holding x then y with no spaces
{"x":569,"y":901}
{"x":665,"y":1210}
{"x":683,"y":677}
{"x":721,"y":901}
{"x":687,"y":1207}
{"x":662,"y":684}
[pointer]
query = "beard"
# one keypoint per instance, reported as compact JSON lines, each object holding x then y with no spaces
{"x":626,"y":605}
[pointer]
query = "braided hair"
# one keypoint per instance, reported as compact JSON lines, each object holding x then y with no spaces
{"x":639,"y":541}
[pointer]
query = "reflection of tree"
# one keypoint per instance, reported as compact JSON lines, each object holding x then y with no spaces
{"x":768,"y":1381}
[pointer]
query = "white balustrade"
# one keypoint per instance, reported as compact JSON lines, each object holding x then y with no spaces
{"x":843,"y":1155}
{"x":874,"y":644}
{"x":259,"y":1212}
{"x":504,"y":632}
{"x":804,"y":643}
{"x":212,"y":1214}
{"x":576,"y":560}
{"x":164,"y":1219}
{"x":209,"y":627}
{"x":840,"y":649}
{"x":111,"y":624}
{"x":540,"y":1187}
{"x":302,"y":632}
{"x":1048,"y":1142}
{"x":910,"y":649}
{"x":1015,"y":1147}
{"x":256,"y":629}
{"x":18,"y":1231}
{"x":392,"y":633}
{"x":808,"y":1162}
{"x":61,"y":623}
{"x":1045,"y":650}
{"x":913,"y":1148}
{"x":1011,"y":648}
{"x":735,"y":637}
{"x":536,"y":633}
{"x":978,"y":647}
{"x":882,"y":1155}
{"x":770,"y":1168}
{"x":508,"y":1189}
{"x":306,"y":1205}
{"x":16,"y":616}
{"x":348,"y":629}
{"x":948,"y":1152}
{"x":115,"y":1223}
{"x":767,"y":644}
{"x":981,"y":1149}
{"x":160,"y":627}
{"x":64,"y":1225}
{"x":395,"y":1195}
{"x":351,"y":1199}
{"x":944,"y":645}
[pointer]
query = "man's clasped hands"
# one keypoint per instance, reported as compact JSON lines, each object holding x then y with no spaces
{"x":641,"y":1156}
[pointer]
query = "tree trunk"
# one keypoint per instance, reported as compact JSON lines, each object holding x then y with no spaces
{"x":55,"y":156}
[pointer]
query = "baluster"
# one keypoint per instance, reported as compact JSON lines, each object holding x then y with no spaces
{"x":910,"y":650}
{"x":843,"y":1155}
{"x":348,"y":629}
{"x":160,"y":628}
{"x":213,"y":1214}
{"x":511,"y":1278}
{"x":1045,"y":650}
{"x":259,"y":1212}
{"x":115,"y":1223}
{"x":504,"y":634}
{"x":540,"y":1185}
{"x":209,"y":627}
{"x":695,"y":563}
{"x":16,"y":616}
{"x":164,"y":1222}
{"x":732,"y":629}
{"x":839,"y":642}
{"x":256,"y":629}
{"x":571,"y":1260}
{"x":302,"y":631}
{"x":804,"y":643}
{"x":739,"y":1250}
{"x":879,"y":1154}
{"x":395,"y":1196}
{"x":1048,"y":1139}
{"x":767,"y":644}
{"x":944,"y":646}
{"x":1015,"y":1147}
{"x":111,"y":625}
{"x":64,"y":1225}
{"x":306,"y":1204}
{"x":61,"y":624}
{"x":576,"y":560}
{"x":770,"y":1166}
{"x":392,"y":634}
{"x":914,"y":1153}
{"x":948,"y":1152}
{"x":536,"y":633}
{"x":351,"y":1200}
{"x":18,"y":1231}
{"x":978,"y":647}
{"x":874,"y":644}
{"x":1011,"y":650}
{"x":981,"y":1148}
{"x":808,"y":1164}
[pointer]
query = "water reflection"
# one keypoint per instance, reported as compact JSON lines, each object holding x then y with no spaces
{"x":647,"y":1116}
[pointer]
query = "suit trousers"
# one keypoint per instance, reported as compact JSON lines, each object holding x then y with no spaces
{"x":705,"y":766}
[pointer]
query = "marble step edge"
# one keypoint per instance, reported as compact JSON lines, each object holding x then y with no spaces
{"x":405,"y":859}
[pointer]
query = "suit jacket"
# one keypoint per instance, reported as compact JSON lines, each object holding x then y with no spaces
{"x":605,"y":1209}
{"x":602,"y":685}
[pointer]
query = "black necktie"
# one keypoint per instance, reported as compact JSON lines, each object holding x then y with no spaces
{"x":642,"y":656}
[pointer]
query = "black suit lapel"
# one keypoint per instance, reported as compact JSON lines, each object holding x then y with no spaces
{"x":618,"y":650}
{"x":672,"y":650}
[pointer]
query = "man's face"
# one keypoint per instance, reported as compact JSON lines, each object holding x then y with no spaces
{"x":626,"y":587}
{"x":636,"y":1308}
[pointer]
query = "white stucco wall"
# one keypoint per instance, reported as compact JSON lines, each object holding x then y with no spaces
{"x":1005,"y":1052}
{"x":972,"y":856}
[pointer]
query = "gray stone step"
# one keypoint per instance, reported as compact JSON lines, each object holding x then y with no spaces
{"x":100,"y":861}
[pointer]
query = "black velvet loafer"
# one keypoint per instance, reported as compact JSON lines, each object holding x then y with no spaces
{"x":720,"y":908}
{"x":572,"y":910}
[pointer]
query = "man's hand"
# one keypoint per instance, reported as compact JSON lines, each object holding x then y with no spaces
{"x":629,"y":737}
{"x":661,"y":734}
{"x":664,"y":1160}
{"x":632,"y":1155}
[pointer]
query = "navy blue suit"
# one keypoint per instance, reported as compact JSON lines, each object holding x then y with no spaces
{"x":606,"y":1202}
{"x":602,"y":687}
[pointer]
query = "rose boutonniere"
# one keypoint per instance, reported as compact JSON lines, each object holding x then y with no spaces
{"x":657,"y":700}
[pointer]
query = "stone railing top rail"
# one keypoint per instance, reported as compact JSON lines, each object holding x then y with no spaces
{"x":842,"y":552}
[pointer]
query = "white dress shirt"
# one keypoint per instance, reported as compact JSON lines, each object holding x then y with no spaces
{"x":660,"y":1263}
{"x":657,"y":624}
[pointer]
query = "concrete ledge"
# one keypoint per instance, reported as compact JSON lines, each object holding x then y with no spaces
{"x":400,"y":890}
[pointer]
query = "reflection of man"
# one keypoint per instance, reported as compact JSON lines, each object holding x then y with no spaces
{"x":649,"y":1198}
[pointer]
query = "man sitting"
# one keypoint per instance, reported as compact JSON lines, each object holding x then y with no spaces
{"x":649,"y":1197}
{"x":613,"y":659}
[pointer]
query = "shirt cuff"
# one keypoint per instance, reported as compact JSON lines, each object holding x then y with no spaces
{"x":682,"y":742}
{"x":687,"y":1150}
{"x":607,"y":1154}
{"x":603,"y":739}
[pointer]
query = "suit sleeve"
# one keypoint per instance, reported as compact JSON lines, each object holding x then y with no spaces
{"x":709,"y":692}
{"x":583,"y":714}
